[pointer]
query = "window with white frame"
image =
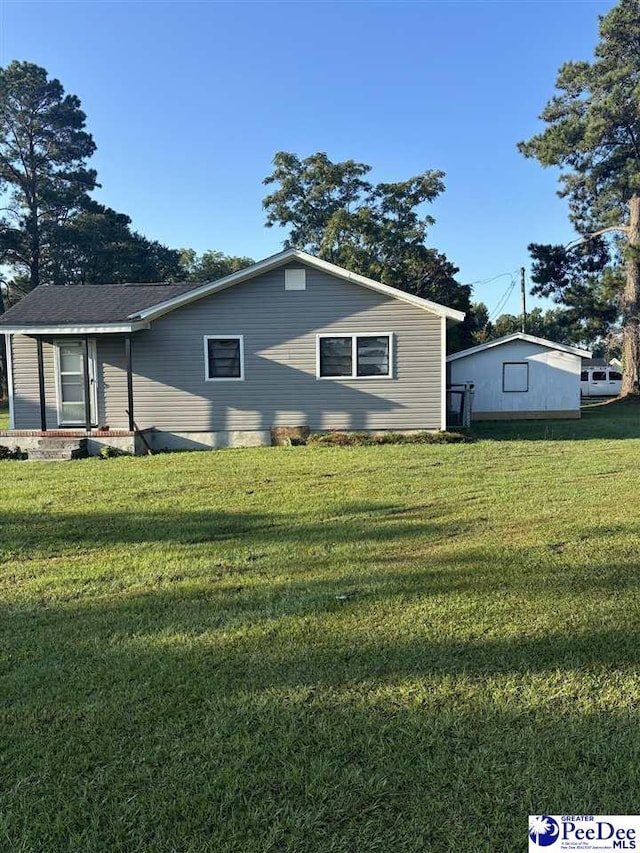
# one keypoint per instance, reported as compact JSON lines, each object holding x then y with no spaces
{"x":354,"y":356}
{"x":223,"y":357}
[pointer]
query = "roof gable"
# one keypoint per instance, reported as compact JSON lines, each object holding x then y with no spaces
{"x":520,"y":336}
{"x":78,"y":309}
{"x":280,"y":259}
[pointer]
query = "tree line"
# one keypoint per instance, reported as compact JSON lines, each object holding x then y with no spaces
{"x":53,"y":232}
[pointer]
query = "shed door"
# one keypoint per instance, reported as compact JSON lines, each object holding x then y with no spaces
{"x":70,"y":382}
{"x":515,"y":376}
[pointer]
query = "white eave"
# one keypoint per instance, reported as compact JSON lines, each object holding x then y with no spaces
{"x":78,"y":329}
{"x":281,"y":258}
{"x":520,"y":336}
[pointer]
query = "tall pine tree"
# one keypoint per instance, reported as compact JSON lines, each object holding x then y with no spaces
{"x":593,"y":135}
{"x":44,"y":177}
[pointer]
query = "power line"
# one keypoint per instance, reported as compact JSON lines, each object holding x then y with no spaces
{"x":504,"y":299}
{"x":489,"y":280}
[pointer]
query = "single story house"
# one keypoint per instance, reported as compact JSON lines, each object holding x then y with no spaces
{"x":291,"y":342}
{"x":520,"y":376}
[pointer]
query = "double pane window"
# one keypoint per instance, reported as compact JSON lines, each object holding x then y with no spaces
{"x":353,"y":356}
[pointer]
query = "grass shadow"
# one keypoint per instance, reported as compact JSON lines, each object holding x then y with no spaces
{"x":616,"y":419}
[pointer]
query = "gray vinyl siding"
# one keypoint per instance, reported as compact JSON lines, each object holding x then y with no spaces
{"x":26,"y":395}
{"x":280,"y":386}
{"x":112,"y":381}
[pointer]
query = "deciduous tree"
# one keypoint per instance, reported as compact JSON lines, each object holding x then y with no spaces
{"x":378,"y":230}
{"x":210,"y":265}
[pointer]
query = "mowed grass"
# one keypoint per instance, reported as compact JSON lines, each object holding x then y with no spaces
{"x":4,"y":416}
{"x":397,"y":648}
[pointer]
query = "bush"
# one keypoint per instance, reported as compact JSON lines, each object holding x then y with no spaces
{"x":109,"y":452}
{"x":9,"y":453}
{"x":363,"y":439}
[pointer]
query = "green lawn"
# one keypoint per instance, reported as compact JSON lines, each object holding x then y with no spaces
{"x":4,"y":416}
{"x":397,"y":648}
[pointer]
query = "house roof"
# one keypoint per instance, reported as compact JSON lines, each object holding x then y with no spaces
{"x":128,"y":307}
{"x":520,"y":336}
{"x":282,"y":258}
{"x":88,"y":305}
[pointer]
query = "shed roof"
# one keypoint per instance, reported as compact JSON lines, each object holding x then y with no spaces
{"x":520,"y":336}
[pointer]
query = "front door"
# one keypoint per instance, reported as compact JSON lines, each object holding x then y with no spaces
{"x":70,"y":382}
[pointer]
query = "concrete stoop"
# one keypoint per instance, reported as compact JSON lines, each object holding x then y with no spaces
{"x":57,"y":449}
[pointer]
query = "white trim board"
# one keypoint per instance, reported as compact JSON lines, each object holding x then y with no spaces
{"x":443,"y":376}
{"x":278,"y":260}
{"x":95,"y":329}
{"x":9,"y":351}
{"x":520,"y":336}
{"x":207,"y":338}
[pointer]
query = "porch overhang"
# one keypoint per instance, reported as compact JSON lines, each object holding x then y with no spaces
{"x":59,"y":329}
{"x":83,"y":332}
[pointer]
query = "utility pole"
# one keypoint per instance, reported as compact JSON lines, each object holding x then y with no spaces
{"x":523,"y":300}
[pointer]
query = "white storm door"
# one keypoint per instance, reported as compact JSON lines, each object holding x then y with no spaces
{"x":70,"y":382}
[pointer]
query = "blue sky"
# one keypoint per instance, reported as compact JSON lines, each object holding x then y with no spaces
{"x":189,"y":101}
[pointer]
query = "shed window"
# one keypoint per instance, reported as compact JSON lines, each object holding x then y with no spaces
{"x":354,"y":356}
{"x":224,"y":357}
{"x":515,"y":376}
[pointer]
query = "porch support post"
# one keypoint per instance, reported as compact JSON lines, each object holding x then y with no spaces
{"x":127,"y":350}
{"x":43,"y":401}
{"x":87,"y":386}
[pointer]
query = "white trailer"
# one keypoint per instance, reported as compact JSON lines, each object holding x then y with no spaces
{"x":600,"y":381}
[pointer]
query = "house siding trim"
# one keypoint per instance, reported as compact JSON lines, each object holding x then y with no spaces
{"x":8,"y":349}
{"x":443,"y":374}
{"x":94,"y":329}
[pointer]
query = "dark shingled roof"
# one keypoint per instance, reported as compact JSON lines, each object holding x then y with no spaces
{"x":89,"y":304}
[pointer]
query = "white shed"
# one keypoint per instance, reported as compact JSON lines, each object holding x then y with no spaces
{"x":520,"y":376}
